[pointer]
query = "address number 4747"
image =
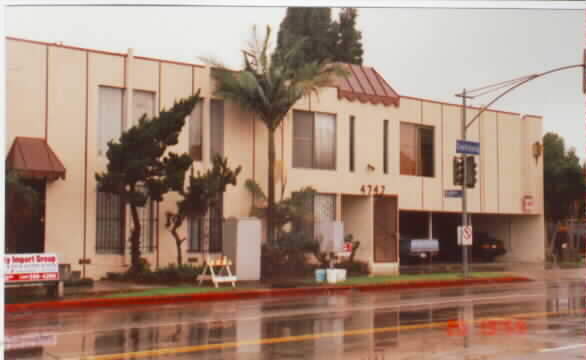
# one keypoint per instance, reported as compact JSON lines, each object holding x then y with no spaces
{"x":373,"y":189}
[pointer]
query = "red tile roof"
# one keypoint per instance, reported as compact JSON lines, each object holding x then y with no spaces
{"x":365,"y":85}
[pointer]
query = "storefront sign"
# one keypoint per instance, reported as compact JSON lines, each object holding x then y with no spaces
{"x":31,"y":267}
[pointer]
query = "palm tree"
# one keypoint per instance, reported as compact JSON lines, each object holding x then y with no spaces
{"x":269,"y":87}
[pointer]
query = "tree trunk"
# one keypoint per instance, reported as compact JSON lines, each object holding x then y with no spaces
{"x":205,"y":233}
{"x":271,"y":189}
{"x":135,"y":240}
{"x":178,"y":241}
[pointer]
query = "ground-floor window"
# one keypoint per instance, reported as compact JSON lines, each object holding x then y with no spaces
{"x":216,"y":222}
{"x":109,"y":224}
{"x":319,"y":208}
{"x":194,"y":227}
{"x":149,"y":219}
{"x":195,"y":230}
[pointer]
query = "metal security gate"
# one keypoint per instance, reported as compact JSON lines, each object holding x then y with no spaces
{"x":385,"y":229}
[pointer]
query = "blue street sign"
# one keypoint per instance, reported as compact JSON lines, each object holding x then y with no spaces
{"x":467,"y":147}
{"x":453,"y":193}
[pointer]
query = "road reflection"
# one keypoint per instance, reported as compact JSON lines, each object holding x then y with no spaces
{"x":371,"y":326}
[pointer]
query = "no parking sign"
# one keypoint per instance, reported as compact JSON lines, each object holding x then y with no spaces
{"x":465,"y":235}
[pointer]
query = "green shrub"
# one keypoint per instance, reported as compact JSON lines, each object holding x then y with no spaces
{"x":164,"y":275}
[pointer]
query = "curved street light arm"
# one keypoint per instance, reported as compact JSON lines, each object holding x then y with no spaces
{"x":528,"y":78}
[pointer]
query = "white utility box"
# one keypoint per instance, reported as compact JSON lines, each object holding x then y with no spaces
{"x":242,"y":245}
{"x":331,"y":236}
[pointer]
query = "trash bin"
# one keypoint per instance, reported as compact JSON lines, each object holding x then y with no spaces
{"x":320,"y":275}
{"x":341,"y":275}
{"x":332,"y":275}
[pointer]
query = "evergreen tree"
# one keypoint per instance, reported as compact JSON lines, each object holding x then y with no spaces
{"x":140,"y":168}
{"x":348,"y":46}
{"x":325,"y":40}
{"x":311,"y":24}
{"x":203,"y":192}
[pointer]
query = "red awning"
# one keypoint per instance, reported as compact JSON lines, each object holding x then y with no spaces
{"x":33,"y":158}
{"x":365,"y":85}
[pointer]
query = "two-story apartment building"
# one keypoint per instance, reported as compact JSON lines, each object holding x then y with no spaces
{"x":380,"y":162}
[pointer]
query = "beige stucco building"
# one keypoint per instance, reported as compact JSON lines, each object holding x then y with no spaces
{"x":380,"y":162}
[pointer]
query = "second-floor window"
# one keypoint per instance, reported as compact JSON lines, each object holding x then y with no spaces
{"x":109,"y":117}
{"x":143,"y":102}
{"x":314,"y":140}
{"x":195,"y":133}
{"x":417,"y":145}
{"x":216,"y":128}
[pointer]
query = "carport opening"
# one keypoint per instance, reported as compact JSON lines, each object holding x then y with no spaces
{"x":416,"y":224}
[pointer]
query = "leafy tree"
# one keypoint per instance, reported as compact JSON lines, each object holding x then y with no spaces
{"x":140,"y":168}
{"x":563,"y":182}
{"x":270,"y":89}
{"x":203,"y":192}
{"x":325,"y":40}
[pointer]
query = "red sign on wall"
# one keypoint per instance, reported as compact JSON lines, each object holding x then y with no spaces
{"x":527,"y":203}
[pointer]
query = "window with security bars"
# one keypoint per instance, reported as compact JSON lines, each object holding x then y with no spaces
{"x":216,"y":222}
{"x":149,"y":221}
{"x":319,"y":208}
{"x":109,"y":224}
{"x":195,"y":230}
{"x":194,"y":227}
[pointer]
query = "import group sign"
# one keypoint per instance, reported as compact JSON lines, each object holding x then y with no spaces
{"x":31,"y":267}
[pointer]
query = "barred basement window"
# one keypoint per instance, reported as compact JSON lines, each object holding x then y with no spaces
{"x":109,"y":224}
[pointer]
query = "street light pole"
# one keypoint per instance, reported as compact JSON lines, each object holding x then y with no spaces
{"x":464,"y":205}
{"x":512,"y":85}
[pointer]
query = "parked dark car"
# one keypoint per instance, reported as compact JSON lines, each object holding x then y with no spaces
{"x":412,"y":249}
{"x":486,"y":247}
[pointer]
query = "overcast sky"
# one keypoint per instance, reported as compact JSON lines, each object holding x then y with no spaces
{"x":430,"y":53}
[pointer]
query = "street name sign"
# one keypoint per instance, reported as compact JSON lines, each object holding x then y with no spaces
{"x":467,"y":147}
{"x":453,"y":193}
{"x":465,"y":235}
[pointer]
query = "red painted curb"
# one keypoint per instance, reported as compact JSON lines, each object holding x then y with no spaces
{"x":246,"y":294}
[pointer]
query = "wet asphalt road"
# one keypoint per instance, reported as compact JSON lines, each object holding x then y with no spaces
{"x":537,"y":320}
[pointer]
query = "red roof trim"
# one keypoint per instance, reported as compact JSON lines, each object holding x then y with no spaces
{"x":102,"y":51}
{"x":365,"y":85}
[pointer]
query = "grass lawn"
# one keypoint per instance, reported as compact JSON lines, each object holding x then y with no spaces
{"x":365,"y":280}
{"x":173,"y":291}
{"x":359,"y":280}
